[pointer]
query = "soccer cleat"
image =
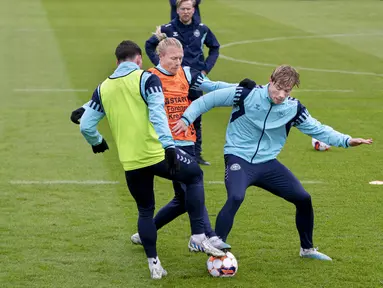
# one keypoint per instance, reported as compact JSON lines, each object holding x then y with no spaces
{"x":314,"y":254}
{"x":135,"y":238}
{"x":204,"y":246}
{"x":218,"y":243}
{"x":201,"y":161}
{"x":157,"y":271}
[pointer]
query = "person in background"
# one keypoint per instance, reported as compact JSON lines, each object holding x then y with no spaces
{"x":173,"y":10}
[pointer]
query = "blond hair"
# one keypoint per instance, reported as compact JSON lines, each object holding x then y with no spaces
{"x":179,"y":2}
{"x":165,"y":41}
{"x":285,"y":76}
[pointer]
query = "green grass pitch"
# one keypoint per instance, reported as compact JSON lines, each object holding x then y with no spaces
{"x":53,"y":53}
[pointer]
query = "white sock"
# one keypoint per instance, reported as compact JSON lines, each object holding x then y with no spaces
{"x":199,"y":237}
{"x":153,"y":261}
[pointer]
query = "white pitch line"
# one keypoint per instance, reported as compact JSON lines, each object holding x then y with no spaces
{"x":33,"y":30}
{"x":300,"y":37}
{"x":60,"y":182}
{"x":324,"y":90}
{"x":29,"y":90}
{"x":302,"y":68}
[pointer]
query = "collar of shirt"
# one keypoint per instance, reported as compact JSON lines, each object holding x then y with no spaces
{"x":182,"y":25}
{"x":163,"y":70}
{"x":124,"y":68}
{"x":266,"y":94}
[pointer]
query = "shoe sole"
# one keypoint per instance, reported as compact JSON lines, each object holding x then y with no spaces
{"x":316,"y":258}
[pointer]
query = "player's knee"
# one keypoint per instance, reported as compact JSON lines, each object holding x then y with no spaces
{"x":179,"y":198}
{"x":304,"y":198}
{"x":236,"y":200}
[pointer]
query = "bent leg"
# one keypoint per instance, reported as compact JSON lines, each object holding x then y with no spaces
{"x":192,"y":176}
{"x":280,"y":181}
{"x":236,"y":182}
{"x":174,"y":208}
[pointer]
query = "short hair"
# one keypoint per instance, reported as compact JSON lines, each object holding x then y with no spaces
{"x":179,"y":2}
{"x":165,"y":41}
{"x":127,"y":49}
{"x":285,"y":76}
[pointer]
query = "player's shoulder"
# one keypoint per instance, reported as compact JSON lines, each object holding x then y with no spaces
{"x":203,"y":27}
{"x":258,"y":90}
{"x":190,"y":70}
{"x":167,"y":27}
{"x":150,"y":79}
{"x":292,"y":101}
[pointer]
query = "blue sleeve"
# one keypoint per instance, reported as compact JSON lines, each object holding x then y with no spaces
{"x":199,"y":81}
{"x":150,"y":49}
{"x":312,"y":127}
{"x":212,"y":43}
{"x":92,"y":116}
{"x":173,"y":9}
{"x":151,"y":89}
{"x":219,"y":98}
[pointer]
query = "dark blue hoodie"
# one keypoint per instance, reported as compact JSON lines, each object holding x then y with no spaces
{"x":193,"y":37}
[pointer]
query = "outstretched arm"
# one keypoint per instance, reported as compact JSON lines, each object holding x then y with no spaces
{"x":199,"y":81}
{"x":312,"y":127}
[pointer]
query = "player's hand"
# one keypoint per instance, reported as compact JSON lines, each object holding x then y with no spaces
{"x":247,"y":83}
{"x":171,"y":160}
{"x":359,"y":141}
{"x":76,"y":115}
{"x":204,"y":72}
{"x":100,"y":148}
{"x":180,"y":127}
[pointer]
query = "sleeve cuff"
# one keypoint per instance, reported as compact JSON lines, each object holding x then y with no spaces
{"x":187,"y":122}
{"x":348,"y":142}
{"x":170,"y":146}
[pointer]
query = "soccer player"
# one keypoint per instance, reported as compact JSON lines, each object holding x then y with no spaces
{"x":260,"y":122}
{"x":133,"y":102}
{"x":193,"y":35}
{"x":173,"y":10}
{"x":176,"y":82}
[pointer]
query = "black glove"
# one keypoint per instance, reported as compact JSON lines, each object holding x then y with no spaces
{"x":100,"y":148}
{"x":76,"y":115}
{"x":247,"y":83}
{"x":171,"y":160}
